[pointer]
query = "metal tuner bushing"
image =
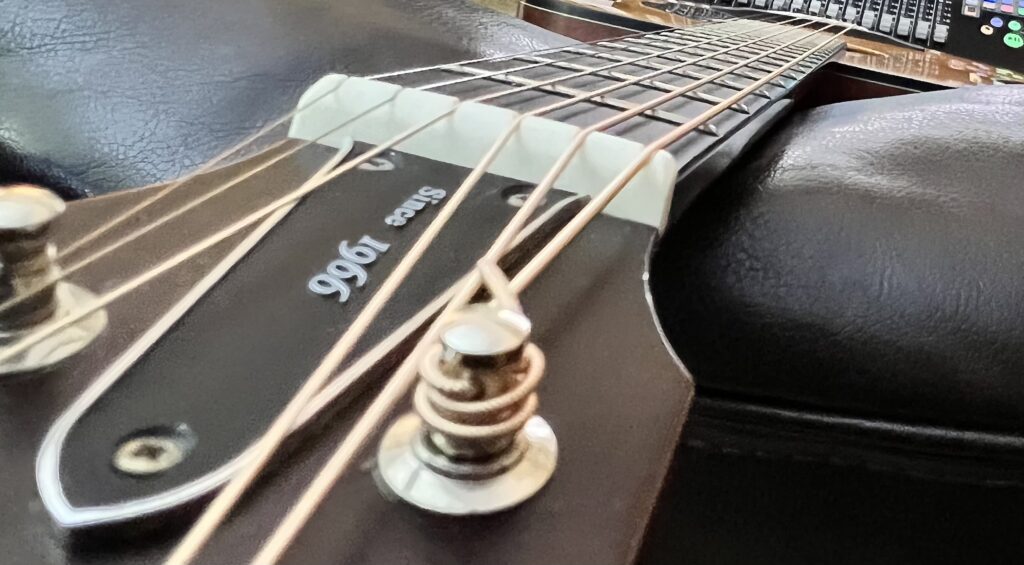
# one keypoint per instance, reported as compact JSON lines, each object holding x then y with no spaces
{"x":474,"y":444}
{"x":32,"y":296}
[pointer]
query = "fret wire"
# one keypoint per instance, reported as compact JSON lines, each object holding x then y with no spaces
{"x":635,"y":61}
{"x":655,"y":85}
{"x":696,"y":95}
{"x":729,"y":58}
{"x":760,"y":66}
{"x":681,"y":72}
{"x":546,"y":51}
{"x":790,"y":50}
{"x":608,"y":101}
{"x":398,"y":385}
{"x":192,"y":204}
{"x":628,"y":105}
{"x":460,"y":66}
{"x":634,"y":80}
{"x":744,"y":73}
{"x":709,"y":31}
{"x":575,"y":225}
{"x":777,"y":59}
{"x":772,"y":43}
{"x":451,"y":67}
{"x":717,"y":39}
{"x":601,"y":44}
{"x":712,"y":66}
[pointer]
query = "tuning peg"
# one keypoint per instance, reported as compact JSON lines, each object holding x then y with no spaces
{"x":31,"y":294}
{"x":474,"y":444}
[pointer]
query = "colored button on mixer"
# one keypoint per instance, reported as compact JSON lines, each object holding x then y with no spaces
{"x":996,"y":22}
{"x":1013,"y":40}
{"x":987,"y":29}
{"x":1014,"y":25}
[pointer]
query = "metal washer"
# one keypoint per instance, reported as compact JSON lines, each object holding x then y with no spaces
{"x":411,"y":480}
{"x":60,"y":344}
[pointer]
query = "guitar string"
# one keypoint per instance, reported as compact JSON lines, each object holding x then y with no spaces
{"x":194,"y":203}
{"x":397,"y":387}
{"x":213,"y":162}
{"x":498,"y":247}
{"x":267,"y":445}
{"x":277,"y":123}
{"x":209,"y":165}
{"x":355,"y":371}
{"x":165,"y":191}
{"x":45,"y":330}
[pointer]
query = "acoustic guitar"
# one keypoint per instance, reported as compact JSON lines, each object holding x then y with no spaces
{"x":407,"y":323}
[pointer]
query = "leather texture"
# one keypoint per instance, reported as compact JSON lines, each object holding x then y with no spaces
{"x":864,"y":262}
{"x":848,"y":299}
{"x":98,"y":96}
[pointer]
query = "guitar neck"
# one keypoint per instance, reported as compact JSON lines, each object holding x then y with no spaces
{"x":696,"y":88}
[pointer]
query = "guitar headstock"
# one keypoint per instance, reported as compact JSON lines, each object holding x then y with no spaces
{"x":162,"y":407}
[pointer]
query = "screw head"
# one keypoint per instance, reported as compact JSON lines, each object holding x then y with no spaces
{"x":149,"y":454}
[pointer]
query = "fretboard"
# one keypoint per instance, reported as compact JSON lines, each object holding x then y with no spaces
{"x":653,"y":105}
{"x":741,"y":51}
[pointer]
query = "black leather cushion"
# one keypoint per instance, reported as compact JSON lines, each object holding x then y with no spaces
{"x":103,"y":95}
{"x":849,"y":300}
{"x":866,"y":262}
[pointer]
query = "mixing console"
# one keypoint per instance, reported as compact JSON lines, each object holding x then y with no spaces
{"x":989,"y":31}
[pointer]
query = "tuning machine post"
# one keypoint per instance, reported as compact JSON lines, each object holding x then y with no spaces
{"x":473,"y":443}
{"x":31,"y":296}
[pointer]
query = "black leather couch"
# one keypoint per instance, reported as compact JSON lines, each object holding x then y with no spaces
{"x":850,"y":298}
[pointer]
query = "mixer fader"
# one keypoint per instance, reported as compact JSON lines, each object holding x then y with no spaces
{"x":985,"y":30}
